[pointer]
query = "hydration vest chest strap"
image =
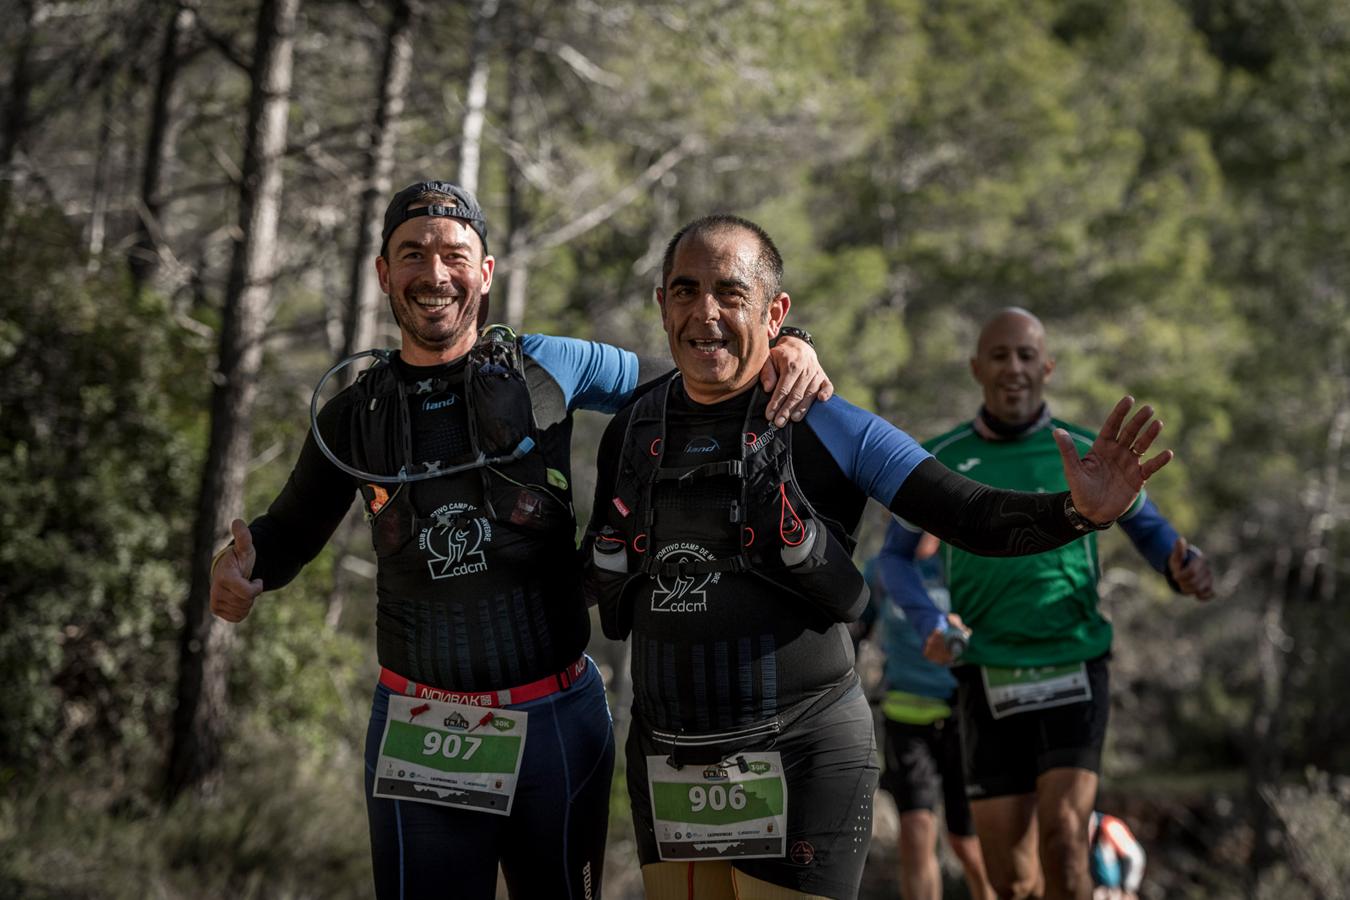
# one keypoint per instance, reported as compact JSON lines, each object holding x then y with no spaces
{"x":685,"y":566}
{"x":732,"y":467}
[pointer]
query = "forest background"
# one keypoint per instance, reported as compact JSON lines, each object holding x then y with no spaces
{"x":189,"y":204}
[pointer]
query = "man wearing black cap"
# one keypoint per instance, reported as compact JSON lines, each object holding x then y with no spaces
{"x":489,"y":739}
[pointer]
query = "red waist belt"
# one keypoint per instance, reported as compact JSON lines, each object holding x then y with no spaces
{"x":549,"y":684}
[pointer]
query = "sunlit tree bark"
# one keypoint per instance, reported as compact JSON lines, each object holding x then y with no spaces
{"x":194,"y":757}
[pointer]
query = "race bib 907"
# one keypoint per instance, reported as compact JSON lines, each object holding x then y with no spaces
{"x":450,"y":754}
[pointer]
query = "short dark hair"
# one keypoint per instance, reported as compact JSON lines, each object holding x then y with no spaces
{"x":770,"y":261}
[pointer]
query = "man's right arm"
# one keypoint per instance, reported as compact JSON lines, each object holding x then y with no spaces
{"x":302,"y":518}
{"x":902,"y":580}
{"x":589,"y":374}
{"x":309,"y":508}
{"x":604,"y":378}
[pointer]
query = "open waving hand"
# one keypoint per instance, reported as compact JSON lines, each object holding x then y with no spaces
{"x":1105,"y":482}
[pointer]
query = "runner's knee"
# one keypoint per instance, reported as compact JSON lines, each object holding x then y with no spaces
{"x":1064,"y":837}
{"x":688,"y":880}
{"x":918,"y":835}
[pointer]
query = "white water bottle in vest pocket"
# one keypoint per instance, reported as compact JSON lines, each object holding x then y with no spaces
{"x":609,"y":553}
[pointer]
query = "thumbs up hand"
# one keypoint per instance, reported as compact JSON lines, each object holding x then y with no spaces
{"x":233,"y":588}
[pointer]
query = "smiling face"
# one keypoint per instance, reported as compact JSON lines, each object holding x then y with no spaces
{"x":717,"y":312}
{"x":436,"y":277}
{"x":1012,"y":364}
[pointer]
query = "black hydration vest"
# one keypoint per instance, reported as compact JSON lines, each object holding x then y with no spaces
{"x":782,"y":539}
{"x":516,"y":491}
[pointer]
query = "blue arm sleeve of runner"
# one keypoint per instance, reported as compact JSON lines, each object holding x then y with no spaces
{"x":871,"y":452}
{"x":902,"y":581}
{"x":1151,"y":534}
{"x":592,"y":376}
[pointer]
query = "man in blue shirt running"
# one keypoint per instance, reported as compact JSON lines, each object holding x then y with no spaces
{"x":921,"y":743}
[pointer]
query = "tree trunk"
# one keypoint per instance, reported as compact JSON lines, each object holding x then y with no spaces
{"x":359,"y":317}
{"x":143,"y":258}
{"x":358,"y":323}
{"x":97,"y":229}
{"x":194,"y":757}
{"x":475,"y":103}
{"x":1273,"y":646}
{"x":16,"y":108}
{"x":517,"y":212}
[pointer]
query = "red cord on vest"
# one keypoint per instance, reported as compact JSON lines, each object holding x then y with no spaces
{"x":783,"y":510}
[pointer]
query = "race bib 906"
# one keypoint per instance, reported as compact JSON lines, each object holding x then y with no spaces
{"x":733,"y":810}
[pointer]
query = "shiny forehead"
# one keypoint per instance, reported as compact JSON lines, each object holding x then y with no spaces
{"x":1011,"y":327}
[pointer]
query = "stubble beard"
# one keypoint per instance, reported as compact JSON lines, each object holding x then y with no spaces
{"x":405,"y":312}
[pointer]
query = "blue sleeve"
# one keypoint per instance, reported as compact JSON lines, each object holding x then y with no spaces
{"x":591,"y":375}
{"x":1151,"y":534}
{"x":901,"y":578}
{"x":871,"y":452}
{"x":876,"y":596}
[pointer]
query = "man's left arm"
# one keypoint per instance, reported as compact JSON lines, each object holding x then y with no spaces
{"x":891,"y":468}
{"x":793,"y":379}
{"x":1185,"y":567}
{"x":603,"y":378}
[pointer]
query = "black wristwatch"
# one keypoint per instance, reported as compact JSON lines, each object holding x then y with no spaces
{"x":1081,"y":523}
{"x":800,"y":334}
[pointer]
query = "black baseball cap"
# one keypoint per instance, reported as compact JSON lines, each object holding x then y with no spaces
{"x":465,"y":208}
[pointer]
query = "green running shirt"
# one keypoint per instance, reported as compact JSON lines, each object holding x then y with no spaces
{"x":1024,"y":610}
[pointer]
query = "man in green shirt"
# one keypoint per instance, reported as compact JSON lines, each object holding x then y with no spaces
{"x":1033,"y":685}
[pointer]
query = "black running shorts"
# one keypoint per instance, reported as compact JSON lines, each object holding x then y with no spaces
{"x":830,"y":758}
{"x":1004,"y":757}
{"x":923,"y":762}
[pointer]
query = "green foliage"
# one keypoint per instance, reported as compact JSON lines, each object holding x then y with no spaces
{"x":296,"y":677}
{"x":97,"y":414}
{"x":285,"y":824}
{"x":1164,"y":182}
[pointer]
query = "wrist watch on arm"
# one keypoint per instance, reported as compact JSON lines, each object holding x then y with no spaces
{"x":1081,"y":523}
{"x":800,"y":334}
